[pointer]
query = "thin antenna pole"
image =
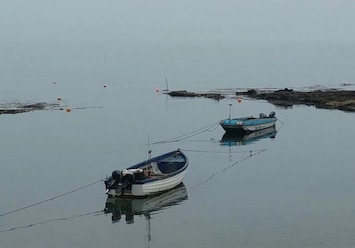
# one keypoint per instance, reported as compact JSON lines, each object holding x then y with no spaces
{"x":149,"y":151}
{"x":230,"y":109}
{"x":166,"y":82}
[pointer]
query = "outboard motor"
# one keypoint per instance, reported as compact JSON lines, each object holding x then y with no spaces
{"x":114,"y":180}
{"x":262,"y":115}
{"x":272,"y":114}
{"x":107,"y":182}
{"x":116,"y":175}
{"x":127,"y":181}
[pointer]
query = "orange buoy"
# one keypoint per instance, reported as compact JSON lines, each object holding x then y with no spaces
{"x":68,"y":109}
{"x":239,"y":99}
{"x":157,"y":90}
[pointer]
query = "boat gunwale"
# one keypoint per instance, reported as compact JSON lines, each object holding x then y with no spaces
{"x":160,"y":158}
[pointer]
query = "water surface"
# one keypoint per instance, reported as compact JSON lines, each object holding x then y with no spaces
{"x":293,"y":190}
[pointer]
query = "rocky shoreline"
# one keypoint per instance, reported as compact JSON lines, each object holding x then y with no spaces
{"x":326,"y":99}
{"x":184,"y":93}
{"x":17,"y":108}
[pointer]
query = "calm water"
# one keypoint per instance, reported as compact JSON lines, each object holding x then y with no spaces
{"x":296,"y":190}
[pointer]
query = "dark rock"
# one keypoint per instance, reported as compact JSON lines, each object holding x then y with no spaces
{"x":17,"y":108}
{"x":284,"y":90}
{"x":40,"y":105}
{"x":13,"y":111}
{"x":326,"y":99}
{"x":184,"y":93}
{"x":250,"y":92}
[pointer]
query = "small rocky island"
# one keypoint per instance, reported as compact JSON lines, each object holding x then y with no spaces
{"x":326,"y":99}
{"x":184,"y":93}
{"x":17,"y":108}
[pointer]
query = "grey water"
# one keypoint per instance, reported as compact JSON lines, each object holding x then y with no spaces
{"x":294,"y":189}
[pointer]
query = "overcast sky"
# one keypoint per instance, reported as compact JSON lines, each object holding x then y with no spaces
{"x":176,"y":20}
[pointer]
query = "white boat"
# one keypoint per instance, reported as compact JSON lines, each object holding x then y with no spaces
{"x":149,"y":177}
{"x":249,"y":124}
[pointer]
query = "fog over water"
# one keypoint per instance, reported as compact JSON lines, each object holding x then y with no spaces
{"x":107,"y":61}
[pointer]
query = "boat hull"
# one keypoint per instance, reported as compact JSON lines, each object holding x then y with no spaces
{"x":150,"y":188}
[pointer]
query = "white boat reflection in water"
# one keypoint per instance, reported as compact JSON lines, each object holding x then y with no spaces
{"x":229,"y":139}
{"x":129,"y":207}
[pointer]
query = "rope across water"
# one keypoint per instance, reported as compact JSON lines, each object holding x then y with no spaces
{"x":209,"y":128}
{"x":50,"y":199}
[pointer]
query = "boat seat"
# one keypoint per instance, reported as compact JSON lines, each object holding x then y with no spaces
{"x":154,"y":169}
{"x":169,"y":167}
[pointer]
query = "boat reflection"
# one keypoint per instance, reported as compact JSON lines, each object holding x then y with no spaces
{"x":244,"y":139}
{"x":129,"y":207}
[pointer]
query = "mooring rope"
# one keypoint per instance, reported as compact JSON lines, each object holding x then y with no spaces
{"x":209,"y":128}
{"x":206,"y":151}
{"x":251,"y":154}
{"x":282,"y":123}
{"x":50,"y":199}
{"x":94,"y":213}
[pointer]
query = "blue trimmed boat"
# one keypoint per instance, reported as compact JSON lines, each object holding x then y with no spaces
{"x":149,"y":177}
{"x":249,"y":124}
